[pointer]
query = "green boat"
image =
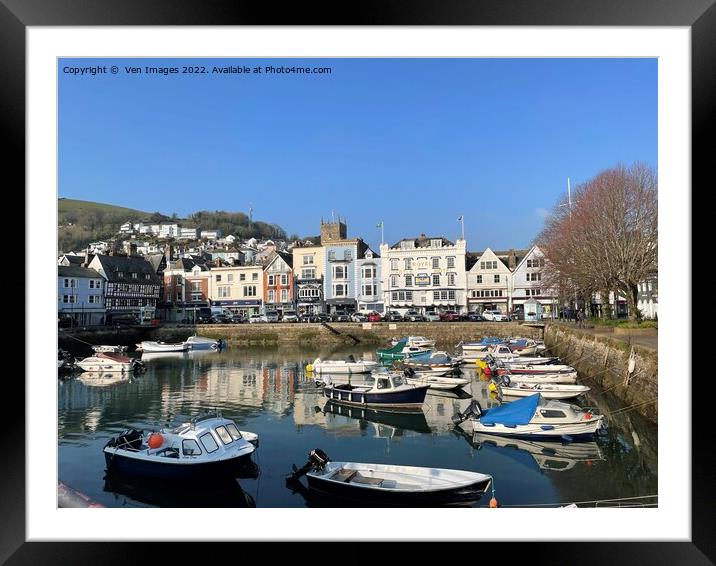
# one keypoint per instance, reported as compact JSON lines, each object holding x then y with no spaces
{"x":402,"y":351}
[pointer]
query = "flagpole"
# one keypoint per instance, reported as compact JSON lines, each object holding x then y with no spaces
{"x":382,"y":239}
{"x":462,"y":226}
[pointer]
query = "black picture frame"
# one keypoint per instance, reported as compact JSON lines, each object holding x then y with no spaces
{"x":699,"y":15}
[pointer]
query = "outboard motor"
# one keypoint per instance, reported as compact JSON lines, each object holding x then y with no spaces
{"x":473,"y":410}
{"x":317,"y":459}
{"x":408,"y":372}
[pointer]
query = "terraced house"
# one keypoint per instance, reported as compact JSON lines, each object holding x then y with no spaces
{"x":489,"y":280}
{"x":278,"y":287}
{"x":308,"y":263}
{"x":238,"y":288}
{"x":80,"y":295}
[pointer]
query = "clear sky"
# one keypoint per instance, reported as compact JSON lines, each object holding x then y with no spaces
{"x":413,"y":142}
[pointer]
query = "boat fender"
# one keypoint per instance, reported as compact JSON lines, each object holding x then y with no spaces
{"x":155,"y":440}
{"x":587,"y":416}
{"x":492,"y":387}
{"x":493,"y":503}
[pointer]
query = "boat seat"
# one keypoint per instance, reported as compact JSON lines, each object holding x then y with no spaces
{"x":360,"y":478}
{"x":344,"y":475}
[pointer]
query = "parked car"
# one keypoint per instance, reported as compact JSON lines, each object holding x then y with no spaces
{"x":519,"y":315}
{"x":204,"y":315}
{"x":414,"y":316}
{"x":323,"y":317}
{"x":340,"y":317}
{"x":432,"y":317}
{"x":289,"y":316}
{"x":474,"y":317}
{"x":238,"y":319}
{"x":270,"y":316}
{"x":495,"y":316}
{"x":308,"y":317}
{"x":359,"y":317}
{"x":450,"y":316}
{"x":221,"y":318}
{"x":255,"y":318}
{"x":374,"y":317}
{"x":123,"y":319}
{"x":393,"y":316}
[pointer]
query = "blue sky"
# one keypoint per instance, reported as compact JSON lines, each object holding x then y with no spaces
{"x":413,"y":142}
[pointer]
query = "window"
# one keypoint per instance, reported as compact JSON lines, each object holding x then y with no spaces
{"x":284,"y":295}
{"x":218,"y":278}
{"x":65,"y":298}
{"x":394,"y":264}
{"x":401,"y":295}
{"x":451,"y":262}
{"x":233,"y":431}
{"x":190,"y":447}
{"x":383,"y":384}
{"x":230,"y":277}
{"x":224,"y":291}
{"x":408,"y":295}
{"x":309,"y":273}
{"x":436,"y":263}
{"x":436,"y":295}
{"x":120,"y":274}
{"x":284,"y":279}
{"x":393,"y":280}
{"x":436,"y":280}
{"x":534,"y":277}
{"x":196,"y":296}
{"x":394,"y":295}
{"x":331,"y":255}
{"x":436,"y":243}
{"x":339,"y":290}
{"x":497,"y":278}
{"x":209,"y":443}
{"x":308,"y":260}
{"x":348,"y":255}
{"x":66,"y":283}
{"x":271,"y":280}
{"x":196,"y":286}
{"x":91,"y":283}
{"x":224,"y":435}
{"x":368,"y":272}
{"x":408,"y":263}
{"x":478,"y":279}
{"x":451,"y":279}
{"x":339,"y":272}
{"x":552,"y":414}
{"x":408,"y":280}
{"x":443,"y":295}
{"x":369,"y":290}
{"x":451,"y":295}
{"x":272,"y":296}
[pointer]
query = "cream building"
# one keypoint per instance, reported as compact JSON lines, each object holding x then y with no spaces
{"x":488,"y":284}
{"x":308,"y":262}
{"x":528,"y":283}
{"x":425,"y":274}
{"x":239,"y":288}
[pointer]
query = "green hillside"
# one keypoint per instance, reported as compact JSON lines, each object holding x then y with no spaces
{"x":80,"y":222}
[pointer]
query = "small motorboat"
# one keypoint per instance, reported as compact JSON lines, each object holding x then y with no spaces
{"x":150,"y":346}
{"x":436,"y":381}
{"x":201,"y":343}
{"x":208,"y":445}
{"x":417,"y":341}
{"x":385,"y":390}
{"x":402,"y":351}
{"x":523,"y":346}
{"x":507,"y":387}
{"x":504,"y":353}
{"x":65,"y":362}
{"x":349,"y":366}
{"x":534,"y":417}
{"x":110,"y":348}
{"x":388,"y":484}
{"x":109,"y":362}
{"x":439,"y":363}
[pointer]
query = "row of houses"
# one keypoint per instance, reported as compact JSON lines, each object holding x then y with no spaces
{"x":168,"y":230}
{"x":326,"y":274}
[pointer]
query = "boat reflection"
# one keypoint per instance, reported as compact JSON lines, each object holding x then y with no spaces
{"x":450,"y":394}
{"x":551,"y":456}
{"x":103,"y":379}
{"x":153,"y":356}
{"x":226,"y":492}
{"x":405,"y":419}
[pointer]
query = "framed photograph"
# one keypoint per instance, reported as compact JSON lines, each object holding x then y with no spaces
{"x":327,"y":197}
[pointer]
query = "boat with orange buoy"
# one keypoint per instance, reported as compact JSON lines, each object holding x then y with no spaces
{"x":207,"y":445}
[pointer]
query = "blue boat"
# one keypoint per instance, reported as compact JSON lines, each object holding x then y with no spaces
{"x":387,"y":390}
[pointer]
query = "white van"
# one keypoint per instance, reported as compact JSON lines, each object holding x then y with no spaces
{"x":494,"y":315}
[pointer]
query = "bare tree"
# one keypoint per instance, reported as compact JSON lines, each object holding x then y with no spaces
{"x":607,"y":240}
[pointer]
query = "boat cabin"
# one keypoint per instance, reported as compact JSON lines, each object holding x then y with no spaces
{"x":382,"y":381}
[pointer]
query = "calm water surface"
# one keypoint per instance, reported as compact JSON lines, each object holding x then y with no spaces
{"x":269,"y":392}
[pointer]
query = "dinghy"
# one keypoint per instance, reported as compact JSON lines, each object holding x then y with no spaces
{"x":110,"y":348}
{"x":201,"y":343}
{"x":436,"y":381}
{"x":507,"y":387}
{"x":387,"y":484}
{"x":402,"y":351}
{"x":386,"y":390}
{"x":349,"y":366}
{"x":533,"y":416}
{"x":109,"y":361}
{"x":150,"y":346}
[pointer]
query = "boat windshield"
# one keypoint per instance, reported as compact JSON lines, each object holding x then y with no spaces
{"x":233,"y":431}
{"x":397,"y":381}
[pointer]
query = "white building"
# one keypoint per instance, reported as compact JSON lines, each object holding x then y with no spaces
{"x":648,"y":302}
{"x":187,"y":233}
{"x":488,"y":284}
{"x":169,"y":231}
{"x":527,"y":283}
{"x":369,"y":290}
{"x":426,"y":274}
{"x":211,"y":234}
{"x":126,"y":228}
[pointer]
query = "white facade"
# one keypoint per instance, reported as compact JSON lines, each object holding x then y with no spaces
{"x":126,"y":228}
{"x":528,"y":283}
{"x":369,"y":289}
{"x":187,"y":233}
{"x":211,"y":234}
{"x":488,"y":284}
{"x":169,"y":231}
{"x":425,"y":274}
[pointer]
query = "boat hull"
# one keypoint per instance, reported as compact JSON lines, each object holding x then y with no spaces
{"x":120,"y":462}
{"x":580,"y":429}
{"x":345,"y":369}
{"x":558,"y":378}
{"x":413,"y":397}
{"x":547,"y":393}
{"x":151,"y":347}
{"x":106,"y":367}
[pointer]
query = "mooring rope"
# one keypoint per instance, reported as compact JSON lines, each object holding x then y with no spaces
{"x":630,"y":407}
{"x":75,"y":338}
{"x":595,"y":501}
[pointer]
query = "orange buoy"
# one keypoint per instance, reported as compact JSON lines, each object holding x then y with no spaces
{"x":155,"y":440}
{"x":493,"y":503}
{"x":587,"y":416}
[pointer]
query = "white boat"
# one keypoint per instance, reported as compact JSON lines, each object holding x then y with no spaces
{"x":207,"y":446}
{"x":566,"y":378}
{"x":109,"y":361}
{"x":523,"y":346}
{"x":439,"y":363}
{"x":103,"y":379}
{"x":201,"y":343}
{"x":504,"y":353}
{"x":348,"y":366}
{"x":149,"y":346}
{"x":533,"y":416}
{"x":436,"y":381}
{"x":387,"y":484}
{"x":512,"y":388}
{"x":415,"y":341}
{"x":108,"y":348}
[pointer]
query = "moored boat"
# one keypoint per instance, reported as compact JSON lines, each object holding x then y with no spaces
{"x":532,"y":416}
{"x":349,"y":366}
{"x":387,"y":484}
{"x":417,"y":341}
{"x":436,"y":381}
{"x":439,"y":363}
{"x":109,"y":362}
{"x":386,"y":390}
{"x":511,"y":388}
{"x":151,"y":346}
{"x":201,"y":343}
{"x":109,"y":348}
{"x":402,"y":351}
{"x":208,"y":445}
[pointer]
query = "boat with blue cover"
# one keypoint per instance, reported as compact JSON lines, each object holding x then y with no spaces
{"x":533,"y":416}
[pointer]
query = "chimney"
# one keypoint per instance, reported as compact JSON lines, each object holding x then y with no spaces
{"x":85,"y":263}
{"x":512,"y":260}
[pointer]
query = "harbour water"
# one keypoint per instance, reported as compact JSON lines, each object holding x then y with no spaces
{"x":268,"y":391}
